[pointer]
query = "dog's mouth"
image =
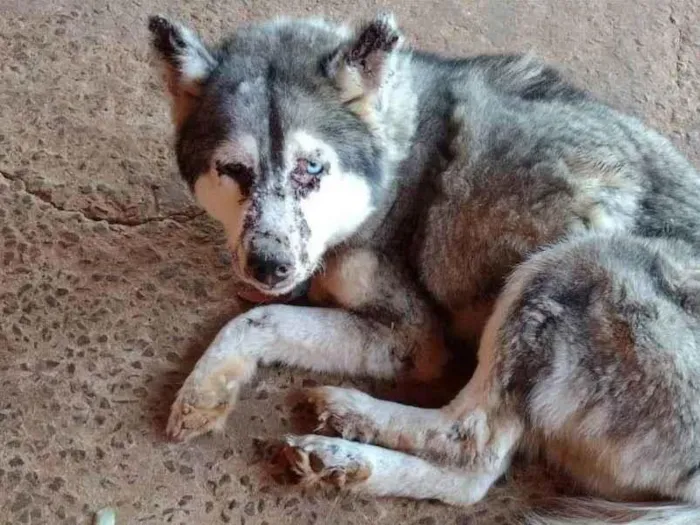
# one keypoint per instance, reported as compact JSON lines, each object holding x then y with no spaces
{"x":253,"y":295}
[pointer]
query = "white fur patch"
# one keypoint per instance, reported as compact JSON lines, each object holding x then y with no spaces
{"x":555,"y":399}
{"x":342,"y":202}
{"x":610,"y":197}
{"x":319,"y":23}
{"x":195,"y":62}
{"x":221,"y":197}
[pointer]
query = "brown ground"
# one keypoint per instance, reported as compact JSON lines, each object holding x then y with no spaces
{"x":111,"y":281}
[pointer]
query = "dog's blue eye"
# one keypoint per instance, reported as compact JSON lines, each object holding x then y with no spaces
{"x":314,"y":168}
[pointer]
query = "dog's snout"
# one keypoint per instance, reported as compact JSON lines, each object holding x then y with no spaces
{"x":269,"y":270}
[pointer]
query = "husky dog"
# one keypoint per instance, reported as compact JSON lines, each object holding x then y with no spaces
{"x":419,"y":197}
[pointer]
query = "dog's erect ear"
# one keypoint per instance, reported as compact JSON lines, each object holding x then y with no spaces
{"x":361,"y":67}
{"x":187,"y":61}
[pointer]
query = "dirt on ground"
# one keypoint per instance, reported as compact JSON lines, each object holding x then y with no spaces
{"x":112,"y":281}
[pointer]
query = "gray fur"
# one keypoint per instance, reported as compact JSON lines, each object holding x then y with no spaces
{"x":479,"y":167}
{"x":611,"y":324}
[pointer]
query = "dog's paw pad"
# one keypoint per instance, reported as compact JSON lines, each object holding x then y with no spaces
{"x":188,"y":421}
{"x":311,"y":460}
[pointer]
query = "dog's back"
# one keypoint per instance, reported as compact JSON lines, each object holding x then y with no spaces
{"x":507,"y":158}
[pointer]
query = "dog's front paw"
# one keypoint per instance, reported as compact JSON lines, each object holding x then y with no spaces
{"x":195,"y":413}
{"x":338,"y":412}
{"x":208,"y":397}
{"x":311,"y":460}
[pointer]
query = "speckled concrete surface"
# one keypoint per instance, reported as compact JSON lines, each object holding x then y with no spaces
{"x":112,"y":282}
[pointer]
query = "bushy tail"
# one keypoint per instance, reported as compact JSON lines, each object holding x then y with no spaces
{"x":536,"y":495}
{"x":575,"y":511}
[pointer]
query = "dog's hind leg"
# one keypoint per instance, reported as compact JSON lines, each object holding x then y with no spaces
{"x":385,"y":329}
{"x":462,"y":434}
{"x":377,"y":471}
{"x":594,"y":347}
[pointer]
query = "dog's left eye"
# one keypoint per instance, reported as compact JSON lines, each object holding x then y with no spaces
{"x":313,"y":168}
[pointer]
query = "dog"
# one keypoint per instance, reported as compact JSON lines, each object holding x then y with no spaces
{"x":418,"y":198}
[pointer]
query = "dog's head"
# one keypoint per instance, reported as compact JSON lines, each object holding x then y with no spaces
{"x":276,"y":136}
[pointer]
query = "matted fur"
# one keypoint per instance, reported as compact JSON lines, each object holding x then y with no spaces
{"x":420,"y":197}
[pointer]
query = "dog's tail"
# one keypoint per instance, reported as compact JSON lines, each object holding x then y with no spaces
{"x":578,"y":511}
{"x":538,"y":495}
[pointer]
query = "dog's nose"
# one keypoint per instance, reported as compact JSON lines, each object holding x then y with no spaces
{"x":268,"y":270}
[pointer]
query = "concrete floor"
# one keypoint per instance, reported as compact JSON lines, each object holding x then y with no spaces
{"x":111,"y":281}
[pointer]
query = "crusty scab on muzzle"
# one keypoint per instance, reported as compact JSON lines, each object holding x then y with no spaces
{"x":277,"y":137}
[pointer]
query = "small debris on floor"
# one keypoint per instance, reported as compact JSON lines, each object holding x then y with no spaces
{"x":106,"y":516}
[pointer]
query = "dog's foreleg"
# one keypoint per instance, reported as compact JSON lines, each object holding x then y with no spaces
{"x":386,"y":330}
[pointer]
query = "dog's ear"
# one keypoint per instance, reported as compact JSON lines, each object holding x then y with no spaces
{"x":361,"y":67}
{"x":186,"y":60}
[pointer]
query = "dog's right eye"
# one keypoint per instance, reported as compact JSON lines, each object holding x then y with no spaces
{"x":240,"y":173}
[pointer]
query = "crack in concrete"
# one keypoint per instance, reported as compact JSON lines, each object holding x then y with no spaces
{"x":156,"y":200}
{"x":679,"y":47}
{"x":181,"y":218}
